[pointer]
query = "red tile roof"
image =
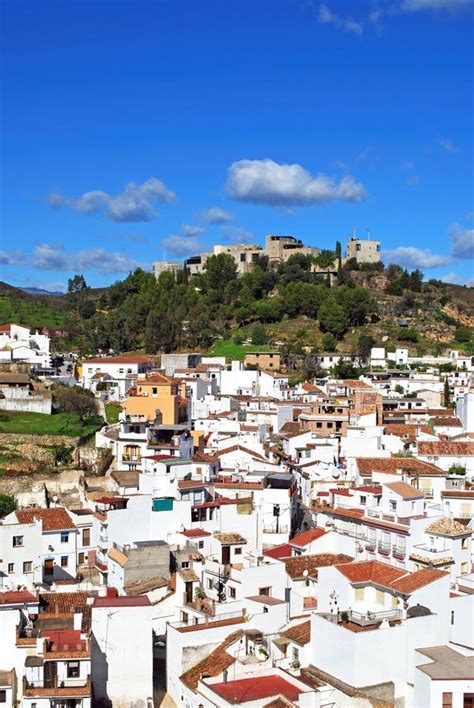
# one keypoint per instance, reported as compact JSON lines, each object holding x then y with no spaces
{"x":417,"y":580}
{"x":297,"y":565}
{"x":123,"y":359}
{"x":195,"y":533}
{"x":15,"y":597}
{"x":213,"y":664}
{"x":439,"y":448}
{"x":388,"y":576}
{"x":256,"y":688}
{"x":129,"y":601}
{"x":300,"y":633}
{"x":283,"y":551}
{"x":54,"y":519}
{"x":396,"y":465}
{"x":370,"y":489}
{"x":303,"y":539}
{"x":404,"y":490}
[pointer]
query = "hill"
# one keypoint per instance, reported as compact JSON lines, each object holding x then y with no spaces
{"x":292,"y":307}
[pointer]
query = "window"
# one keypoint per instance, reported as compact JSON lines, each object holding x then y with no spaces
{"x":358,"y":247}
{"x":3,"y":696}
{"x":319,"y":425}
{"x":360,"y":594}
{"x":238,"y":551}
{"x":267,"y":591}
{"x":464,"y":544}
{"x":209,"y":584}
{"x":201,"y":544}
{"x":447,"y":700}
{"x":17,"y":541}
{"x":81,"y":558}
{"x":295,"y":655}
{"x":232,"y":593}
{"x":242,"y":257}
{"x":64,"y":561}
{"x":120,"y":371}
{"x":330,"y":425}
{"x":452,"y":616}
{"x":129,"y":371}
{"x":363,"y":500}
{"x":380,"y":597}
{"x":64,"y":536}
{"x":27,"y":566}
{"x":185,"y":564}
{"x":393,"y":505}
{"x":73,"y":669}
{"x":154,"y":390}
{"x":86,"y":537}
{"x":11,"y":568}
{"x":464,"y":568}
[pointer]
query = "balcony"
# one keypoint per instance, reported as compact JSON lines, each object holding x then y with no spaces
{"x":52,"y":687}
{"x":131,"y":459}
{"x":370,"y":546}
{"x":274,"y":529}
{"x":383,"y":548}
{"x":204,"y":605}
{"x":423,"y":553}
{"x":399,"y":552}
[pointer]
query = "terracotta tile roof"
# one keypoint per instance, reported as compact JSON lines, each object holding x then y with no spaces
{"x":452,"y":422}
{"x":355,"y":383}
{"x":296,"y":565}
{"x":300,"y":633}
{"x":188,"y":575}
{"x":63,"y":602}
{"x":370,"y":489}
{"x":123,"y":601}
{"x":355,"y":514}
{"x":404,"y":490}
{"x":156,"y":378}
{"x":117,"y":556}
{"x":396,"y":465}
{"x":123,"y":359}
{"x":195,"y":533}
{"x":303,"y":539}
{"x":310,"y":388}
{"x":214,"y":664}
{"x":229,"y":538}
{"x":440,"y":448}
{"x":417,"y":580}
{"x":406,"y":429}
{"x":253,"y":689}
{"x":265,"y":600}
{"x":145,"y":585}
{"x":14,"y":597}
{"x":283,"y":551}
{"x":448,"y":527}
{"x":53,"y":519}
{"x":370,"y":571}
{"x":388,"y":576}
{"x":460,"y":493}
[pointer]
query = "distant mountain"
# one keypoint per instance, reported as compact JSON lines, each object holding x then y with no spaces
{"x":39,"y":291}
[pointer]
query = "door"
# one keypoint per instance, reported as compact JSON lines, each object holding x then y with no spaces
{"x":189,"y":593}
{"x":225,"y":555}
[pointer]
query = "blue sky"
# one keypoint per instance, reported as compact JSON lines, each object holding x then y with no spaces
{"x":134,"y":131}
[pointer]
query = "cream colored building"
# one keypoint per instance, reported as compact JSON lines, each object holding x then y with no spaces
{"x":280,"y":248}
{"x":363,"y":250}
{"x":160,"y":267}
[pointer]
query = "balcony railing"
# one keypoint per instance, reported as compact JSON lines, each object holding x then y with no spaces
{"x":399,"y":552}
{"x":431,"y":552}
{"x":383,"y":548}
{"x":371,"y":546}
{"x":365,"y":619}
{"x":53,"y":687}
{"x":274,"y":529}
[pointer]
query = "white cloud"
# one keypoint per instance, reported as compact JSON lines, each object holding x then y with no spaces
{"x":452,"y":278}
{"x":191,"y":231}
{"x":413,"y":180}
{"x":327,"y":17}
{"x":284,"y":185}
{"x":12,"y":258}
{"x":237,"y":234}
{"x":448,"y":145}
{"x":462,"y":241}
{"x":419,"y":5}
{"x":181,"y":245}
{"x":135,"y":203}
{"x":375,"y":18}
{"x":412,"y":257}
{"x":55,"y":257}
{"x":216,"y":215}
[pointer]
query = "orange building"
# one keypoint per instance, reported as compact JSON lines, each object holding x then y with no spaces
{"x":158,"y":393}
